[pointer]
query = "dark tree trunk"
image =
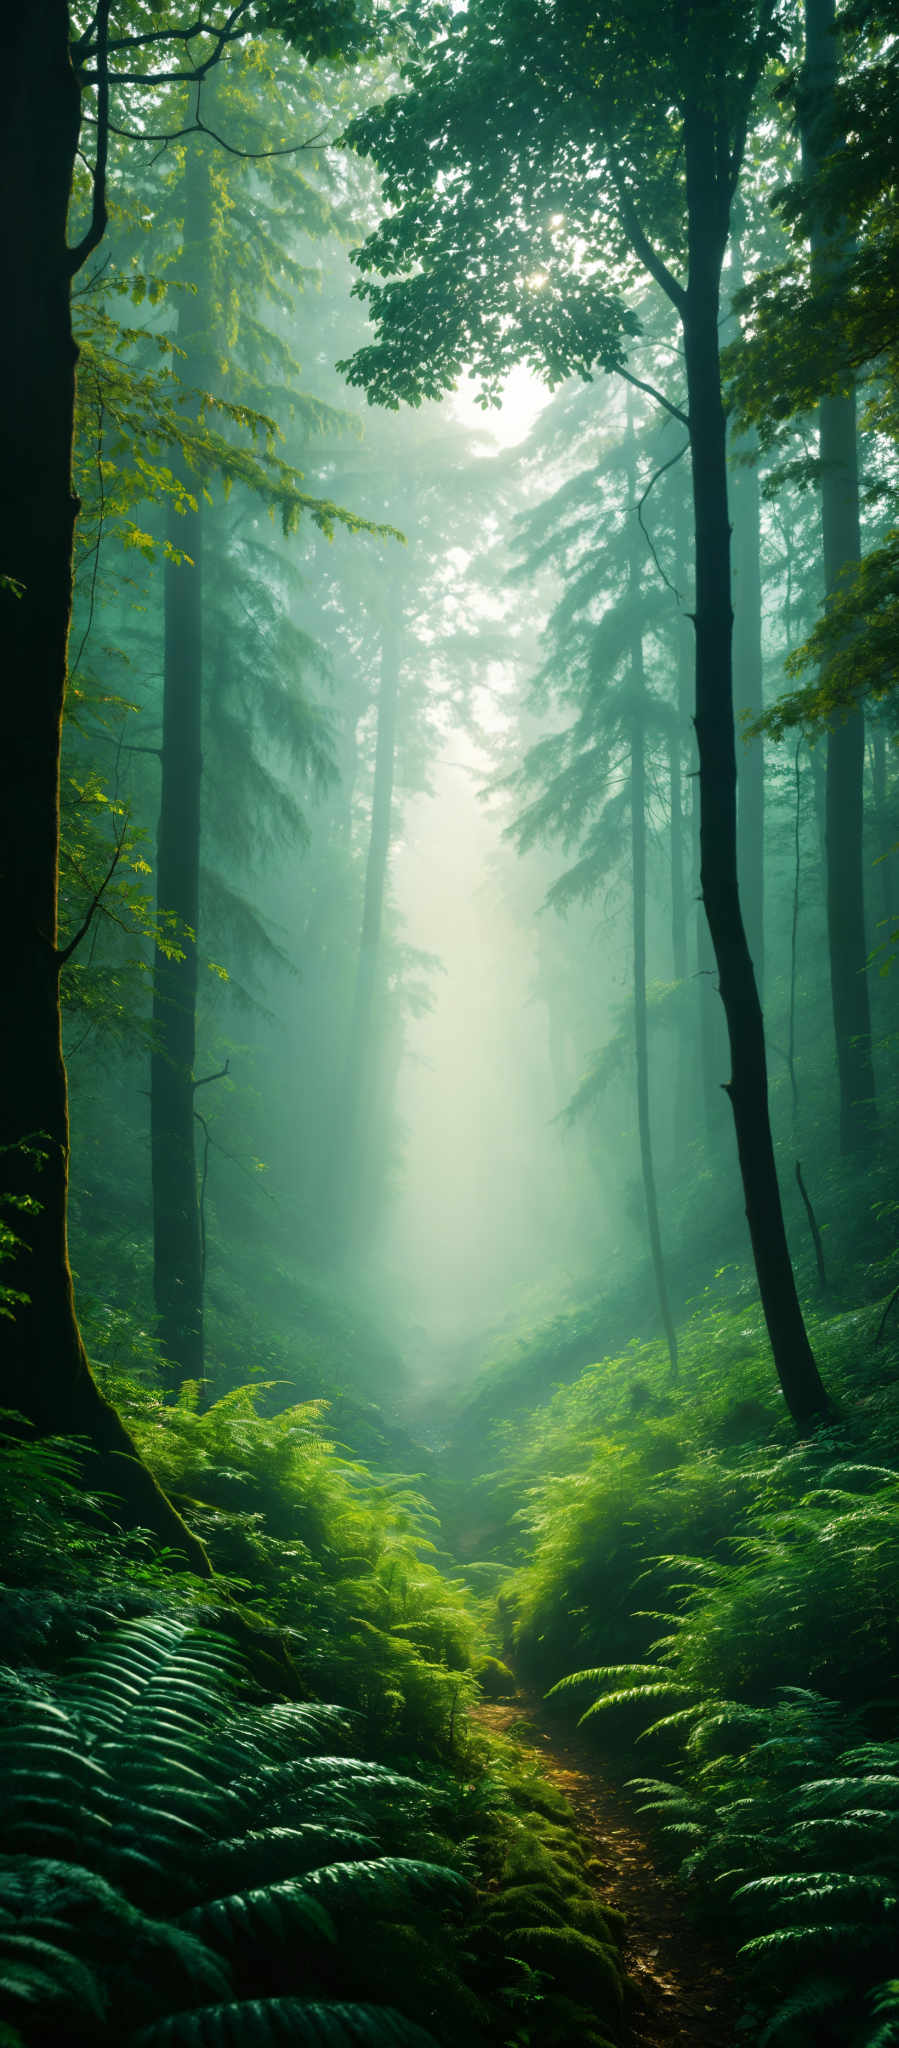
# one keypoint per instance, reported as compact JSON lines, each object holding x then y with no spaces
{"x":637,"y":684}
{"x":177,"y":1246}
{"x":678,"y":821}
{"x":844,"y":796}
{"x":745,"y":500}
{"x":708,"y":205}
{"x":45,"y":1373}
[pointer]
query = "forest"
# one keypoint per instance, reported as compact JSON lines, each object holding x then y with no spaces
{"x":449,"y":1037}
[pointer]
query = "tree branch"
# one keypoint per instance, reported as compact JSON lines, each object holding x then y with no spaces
{"x":659,"y":396}
{"x":199,"y":127}
{"x":641,"y":244}
{"x":672,"y":459}
{"x":64,"y":953}
{"x":99,"y":216}
{"x":206,"y":1078}
{"x":228,"y":30}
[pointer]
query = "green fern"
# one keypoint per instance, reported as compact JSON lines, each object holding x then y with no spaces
{"x":281,"y":2022}
{"x":146,"y":1756}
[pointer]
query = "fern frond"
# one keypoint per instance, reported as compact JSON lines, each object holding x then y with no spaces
{"x":383,"y":1880}
{"x":282,"y":1913}
{"x":285,"y":2023}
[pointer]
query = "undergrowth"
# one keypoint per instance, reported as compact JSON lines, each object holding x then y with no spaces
{"x":694,"y":1581}
{"x":187,"y":1857}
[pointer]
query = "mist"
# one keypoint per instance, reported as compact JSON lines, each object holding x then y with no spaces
{"x":449,"y":886}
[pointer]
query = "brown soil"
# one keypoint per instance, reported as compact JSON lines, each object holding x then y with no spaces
{"x":682,"y":1990}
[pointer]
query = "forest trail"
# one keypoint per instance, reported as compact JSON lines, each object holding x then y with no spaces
{"x":683,"y":1994}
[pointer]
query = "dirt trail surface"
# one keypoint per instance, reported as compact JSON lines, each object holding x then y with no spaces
{"x":682,"y":1993}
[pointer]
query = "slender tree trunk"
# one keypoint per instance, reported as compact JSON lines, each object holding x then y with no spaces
{"x":682,"y":867}
{"x":745,"y":499}
{"x":678,"y":833}
{"x":844,"y":796}
{"x":882,"y":822}
{"x":177,"y":1248}
{"x":748,"y":1087}
{"x":44,"y":1372}
{"x":362,"y":1058}
{"x":637,"y":680}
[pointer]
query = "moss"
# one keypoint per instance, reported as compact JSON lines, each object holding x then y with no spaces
{"x":587,"y":1970}
{"x":495,"y":1679}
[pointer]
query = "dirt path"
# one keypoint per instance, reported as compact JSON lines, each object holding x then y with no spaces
{"x":682,"y":1992}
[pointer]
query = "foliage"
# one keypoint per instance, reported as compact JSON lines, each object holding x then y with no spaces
{"x":183,"y":1860}
{"x":169,"y":1862}
{"x":735,"y":1595}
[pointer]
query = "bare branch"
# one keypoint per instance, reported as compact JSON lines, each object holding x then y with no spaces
{"x":206,"y":1078}
{"x":672,"y":459}
{"x":659,"y":396}
{"x":200,"y":127}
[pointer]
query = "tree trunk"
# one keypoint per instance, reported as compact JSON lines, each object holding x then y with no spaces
{"x":745,"y":501}
{"x":844,"y":795}
{"x":45,"y":1374}
{"x":884,"y":835}
{"x":748,"y":1087}
{"x":678,"y":823}
{"x":637,"y":681}
{"x":356,"y":1166}
{"x":177,"y":1247}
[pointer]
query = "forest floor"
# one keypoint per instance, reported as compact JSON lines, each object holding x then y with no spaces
{"x":682,"y":1988}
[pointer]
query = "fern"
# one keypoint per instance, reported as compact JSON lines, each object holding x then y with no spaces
{"x":281,"y":2022}
{"x":144,"y":1758}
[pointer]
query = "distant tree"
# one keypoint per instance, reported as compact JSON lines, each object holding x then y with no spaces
{"x":592,"y":775}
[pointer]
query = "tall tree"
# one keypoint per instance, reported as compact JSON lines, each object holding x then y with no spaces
{"x":745,"y":499}
{"x":528,"y":157}
{"x":637,"y":690}
{"x":838,"y":453}
{"x":177,"y":1247}
{"x":593,"y":776}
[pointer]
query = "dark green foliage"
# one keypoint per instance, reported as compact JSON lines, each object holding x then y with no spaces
{"x":738,"y":1596}
{"x":119,"y":1781}
{"x":273,"y":1884}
